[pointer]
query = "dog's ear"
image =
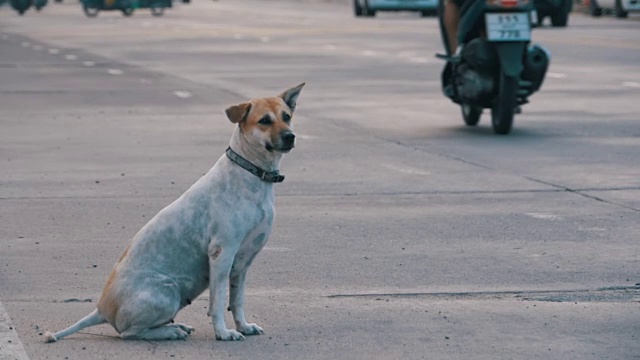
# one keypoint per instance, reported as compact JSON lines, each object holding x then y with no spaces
{"x":291,"y":96}
{"x":238,"y":113}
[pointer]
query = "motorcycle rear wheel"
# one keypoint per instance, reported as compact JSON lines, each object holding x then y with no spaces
{"x":157,"y":11}
{"x":471,"y":114}
{"x":503,"y":110}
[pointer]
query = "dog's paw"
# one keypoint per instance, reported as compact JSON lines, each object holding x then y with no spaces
{"x":186,"y":328}
{"x":179,"y":334}
{"x":250,"y":329}
{"x":229,"y":335}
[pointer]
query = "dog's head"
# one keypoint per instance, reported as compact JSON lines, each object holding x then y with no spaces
{"x":266,"y":122}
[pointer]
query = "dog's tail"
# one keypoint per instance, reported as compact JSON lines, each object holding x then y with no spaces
{"x":95,"y":318}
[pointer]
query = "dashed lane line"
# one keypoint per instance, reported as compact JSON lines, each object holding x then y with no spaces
{"x":556,"y":75}
{"x":182,"y":94}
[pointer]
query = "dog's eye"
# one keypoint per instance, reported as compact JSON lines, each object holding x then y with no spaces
{"x":286,"y":117}
{"x":265,"y":121}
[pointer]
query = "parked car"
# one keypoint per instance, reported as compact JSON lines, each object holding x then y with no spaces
{"x":557,"y":10}
{"x":620,"y":8}
{"x":370,"y":7}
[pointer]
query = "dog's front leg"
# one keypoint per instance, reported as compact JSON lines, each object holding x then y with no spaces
{"x":236,"y":304}
{"x":220,"y":262}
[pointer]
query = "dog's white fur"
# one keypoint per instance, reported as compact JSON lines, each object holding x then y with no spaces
{"x":206,"y":238}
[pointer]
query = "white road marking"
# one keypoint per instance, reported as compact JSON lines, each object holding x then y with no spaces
{"x":369,"y":53}
{"x":419,"y":60}
{"x":406,"y":170}
{"x":265,"y":39}
{"x":306,"y":137}
{"x":115,"y":72}
{"x":407,"y":54}
{"x":556,"y":75}
{"x":631,"y":84}
{"x":543,"y":216}
{"x":25,"y":44}
{"x":182,"y":94}
{"x":238,"y":36}
{"x":89,"y":63}
{"x":37,"y":47}
{"x":54,"y":51}
{"x":329,"y":47}
{"x":71,"y":57}
{"x":10,"y":345}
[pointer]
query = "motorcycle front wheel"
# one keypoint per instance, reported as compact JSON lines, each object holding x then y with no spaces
{"x":471,"y":114}
{"x":127,"y":11}
{"x":90,"y":11}
{"x":504,"y":107}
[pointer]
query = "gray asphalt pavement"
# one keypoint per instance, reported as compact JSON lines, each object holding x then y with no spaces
{"x":400,"y":233}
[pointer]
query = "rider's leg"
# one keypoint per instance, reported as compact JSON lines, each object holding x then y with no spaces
{"x":451,"y":20}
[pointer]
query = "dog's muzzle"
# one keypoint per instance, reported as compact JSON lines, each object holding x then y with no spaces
{"x":288,"y":140}
{"x":285,"y":143}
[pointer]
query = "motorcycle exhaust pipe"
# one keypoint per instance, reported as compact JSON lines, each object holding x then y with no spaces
{"x":535,"y":66}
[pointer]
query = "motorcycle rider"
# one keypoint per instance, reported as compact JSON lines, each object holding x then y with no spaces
{"x":451,"y":17}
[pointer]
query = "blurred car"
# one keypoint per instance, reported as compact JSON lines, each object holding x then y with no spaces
{"x":557,"y":10}
{"x":620,"y":8}
{"x":370,"y":7}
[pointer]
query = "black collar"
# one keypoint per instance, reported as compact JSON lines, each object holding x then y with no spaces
{"x":267,"y":176}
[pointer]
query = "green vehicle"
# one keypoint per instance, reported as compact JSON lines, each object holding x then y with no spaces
{"x":21,"y":6}
{"x":91,"y":8}
{"x":39,"y":4}
{"x":557,"y":10}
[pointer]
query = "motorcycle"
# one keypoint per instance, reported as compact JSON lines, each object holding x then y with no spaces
{"x":495,"y":66}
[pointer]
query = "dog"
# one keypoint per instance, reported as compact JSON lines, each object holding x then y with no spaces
{"x":208,"y":237}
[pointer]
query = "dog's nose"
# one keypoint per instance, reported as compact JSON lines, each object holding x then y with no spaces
{"x":288,"y":137}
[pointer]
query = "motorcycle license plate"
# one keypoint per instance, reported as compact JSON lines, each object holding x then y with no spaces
{"x":514,"y":26}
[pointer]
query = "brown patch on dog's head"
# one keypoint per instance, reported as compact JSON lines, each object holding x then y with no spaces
{"x":267,"y":122}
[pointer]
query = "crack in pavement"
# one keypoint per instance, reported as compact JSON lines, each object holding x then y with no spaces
{"x":605,"y":294}
{"x":581,"y":193}
{"x":547,"y":183}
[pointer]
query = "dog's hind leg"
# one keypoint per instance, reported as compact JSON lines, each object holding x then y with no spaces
{"x":167,"y":332}
{"x":95,"y":318}
{"x":147,"y":313}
